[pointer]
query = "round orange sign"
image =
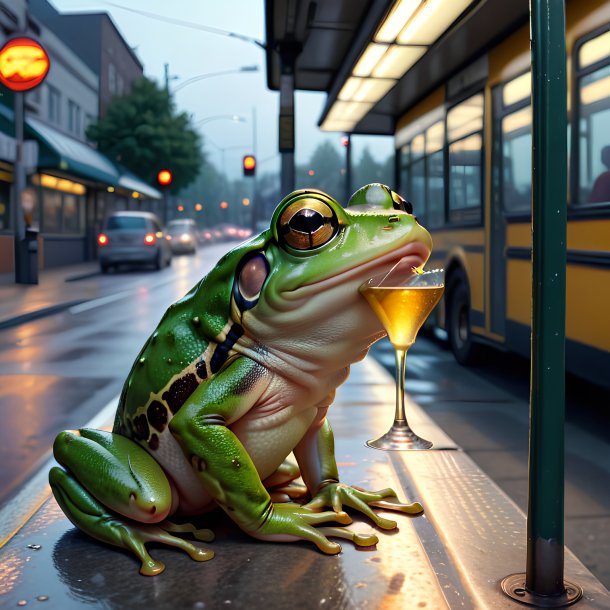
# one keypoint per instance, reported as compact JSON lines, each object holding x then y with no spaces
{"x":23,"y":64}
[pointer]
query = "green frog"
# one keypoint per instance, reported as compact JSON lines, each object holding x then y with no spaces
{"x":239,"y":375}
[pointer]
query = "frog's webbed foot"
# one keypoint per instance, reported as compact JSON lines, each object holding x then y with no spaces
{"x":335,"y":495}
{"x":204,"y":535}
{"x":135,"y":536}
{"x":292,"y":522}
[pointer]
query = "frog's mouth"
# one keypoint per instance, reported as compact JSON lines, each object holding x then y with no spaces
{"x":413,"y":254}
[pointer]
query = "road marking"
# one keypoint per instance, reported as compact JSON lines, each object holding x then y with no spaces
{"x":87,"y":305}
{"x":33,"y":494}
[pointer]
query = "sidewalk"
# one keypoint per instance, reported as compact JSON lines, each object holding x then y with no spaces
{"x":454,"y":556}
{"x":57,"y":289}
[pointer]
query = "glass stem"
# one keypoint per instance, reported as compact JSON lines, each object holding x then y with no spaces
{"x":401,"y":361}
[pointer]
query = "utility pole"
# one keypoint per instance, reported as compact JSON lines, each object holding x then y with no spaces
{"x":288,"y":52}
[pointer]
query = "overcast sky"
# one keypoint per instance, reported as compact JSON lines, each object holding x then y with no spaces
{"x":190,"y":52}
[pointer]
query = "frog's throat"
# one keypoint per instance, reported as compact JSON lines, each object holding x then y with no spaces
{"x":415,"y":251}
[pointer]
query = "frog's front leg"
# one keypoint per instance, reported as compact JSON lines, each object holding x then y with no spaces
{"x":114,"y":491}
{"x":226,"y":471}
{"x":316,"y":457}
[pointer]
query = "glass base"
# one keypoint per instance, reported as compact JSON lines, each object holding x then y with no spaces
{"x":399,"y":438}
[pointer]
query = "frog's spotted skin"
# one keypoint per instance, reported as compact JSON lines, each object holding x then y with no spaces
{"x":238,"y":375}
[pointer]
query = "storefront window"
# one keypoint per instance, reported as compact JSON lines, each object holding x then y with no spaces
{"x":5,"y":201}
{"x":71,"y":222}
{"x":51,"y":211}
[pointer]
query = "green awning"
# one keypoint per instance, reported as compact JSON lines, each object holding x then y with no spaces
{"x":59,"y":151}
{"x":131,"y":182}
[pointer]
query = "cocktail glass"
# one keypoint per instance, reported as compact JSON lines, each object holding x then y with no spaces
{"x":402,"y":302}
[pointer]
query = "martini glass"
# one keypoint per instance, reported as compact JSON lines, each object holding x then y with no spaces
{"x":402,"y":302}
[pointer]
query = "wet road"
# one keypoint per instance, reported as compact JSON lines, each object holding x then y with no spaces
{"x":485,"y":410}
{"x":57,"y":372}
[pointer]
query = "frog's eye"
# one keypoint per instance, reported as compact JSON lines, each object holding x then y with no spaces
{"x":251,"y":276}
{"x":401,"y":204}
{"x":307,"y":224}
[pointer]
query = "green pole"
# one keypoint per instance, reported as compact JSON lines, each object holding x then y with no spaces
{"x":543,"y":583}
{"x":547,"y":399}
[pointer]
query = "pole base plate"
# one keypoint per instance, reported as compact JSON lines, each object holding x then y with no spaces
{"x":514,"y":587}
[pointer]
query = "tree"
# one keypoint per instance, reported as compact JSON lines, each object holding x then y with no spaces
{"x":367,"y":170}
{"x":327,"y":167}
{"x":143,"y":132}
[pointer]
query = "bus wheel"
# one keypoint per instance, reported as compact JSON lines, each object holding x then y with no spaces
{"x":462,"y":344}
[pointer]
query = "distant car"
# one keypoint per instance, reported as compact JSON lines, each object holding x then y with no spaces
{"x":183,"y":236}
{"x":133,"y":238}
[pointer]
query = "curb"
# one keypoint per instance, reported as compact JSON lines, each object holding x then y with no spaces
{"x":38,"y":313}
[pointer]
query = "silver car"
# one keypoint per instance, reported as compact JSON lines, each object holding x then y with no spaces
{"x":183,"y":235}
{"x":133,"y":238}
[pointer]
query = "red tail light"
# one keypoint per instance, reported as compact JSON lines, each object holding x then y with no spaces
{"x":102,"y":239}
{"x":150,"y":239}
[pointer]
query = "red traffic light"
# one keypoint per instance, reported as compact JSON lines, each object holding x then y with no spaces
{"x":249,"y":163}
{"x":164,"y":177}
{"x":345,"y":141}
{"x":224,"y":205}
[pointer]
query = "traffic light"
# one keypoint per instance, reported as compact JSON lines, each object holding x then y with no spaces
{"x":249,"y":163}
{"x":164,"y":177}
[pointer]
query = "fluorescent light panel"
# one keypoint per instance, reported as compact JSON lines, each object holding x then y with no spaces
{"x":431,"y":20}
{"x":396,"y":61}
{"x":400,"y":14}
{"x":409,"y":22}
{"x":365,"y":89}
{"x":369,"y":59}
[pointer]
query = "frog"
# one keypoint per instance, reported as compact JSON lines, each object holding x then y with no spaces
{"x":234,"y":385}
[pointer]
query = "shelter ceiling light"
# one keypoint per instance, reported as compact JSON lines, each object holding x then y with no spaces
{"x":400,"y":14}
{"x":365,"y":89}
{"x":397,"y":60}
{"x":431,"y":20}
{"x":369,"y":59}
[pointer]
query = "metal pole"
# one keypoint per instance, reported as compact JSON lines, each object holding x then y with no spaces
{"x":348,"y":168}
{"x":288,"y":54}
{"x":254,"y":213}
{"x":543,"y":584}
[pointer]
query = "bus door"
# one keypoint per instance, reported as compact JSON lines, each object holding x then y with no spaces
{"x":511,"y":202}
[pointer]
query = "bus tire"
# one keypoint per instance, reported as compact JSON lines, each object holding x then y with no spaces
{"x":461,"y":341}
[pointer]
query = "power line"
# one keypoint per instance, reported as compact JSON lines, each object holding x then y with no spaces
{"x":189,"y":24}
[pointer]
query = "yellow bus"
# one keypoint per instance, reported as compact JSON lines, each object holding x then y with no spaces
{"x":464,"y":159}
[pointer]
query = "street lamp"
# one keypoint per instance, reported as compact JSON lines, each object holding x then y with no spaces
{"x":218,"y":117}
{"x":199,"y":77}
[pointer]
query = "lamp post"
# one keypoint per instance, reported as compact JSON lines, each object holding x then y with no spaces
{"x":194,"y":79}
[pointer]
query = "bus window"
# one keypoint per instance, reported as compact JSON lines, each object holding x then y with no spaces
{"x":404,"y":186}
{"x":417,"y":172}
{"x":593,"y":121}
{"x":435,"y":178}
{"x":465,"y":175}
{"x":517,"y":160}
{"x":464,"y":134}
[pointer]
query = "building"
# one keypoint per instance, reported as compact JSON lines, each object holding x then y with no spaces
{"x":97,"y":41}
{"x":70,"y":185}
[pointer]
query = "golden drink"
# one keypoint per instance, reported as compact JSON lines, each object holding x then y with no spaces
{"x":402,"y":311}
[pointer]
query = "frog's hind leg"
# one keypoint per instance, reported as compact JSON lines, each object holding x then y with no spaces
{"x":281,"y":485}
{"x":114,"y":491}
